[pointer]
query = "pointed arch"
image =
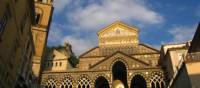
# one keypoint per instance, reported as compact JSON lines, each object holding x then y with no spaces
{"x":67,"y":82}
{"x":157,"y":80}
{"x":51,"y":83}
{"x":84,"y":82}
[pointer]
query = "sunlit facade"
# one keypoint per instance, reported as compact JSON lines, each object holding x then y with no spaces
{"x":119,"y":61}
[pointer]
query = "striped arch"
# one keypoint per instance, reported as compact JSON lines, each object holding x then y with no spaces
{"x":157,"y":80}
{"x":144,"y":75}
{"x":138,"y":73}
{"x":103,"y":75}
{"x":84,"y":81}
{"x":118,"y":59}
{"x":119,"y":68}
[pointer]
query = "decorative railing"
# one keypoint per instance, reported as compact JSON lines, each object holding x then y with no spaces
{"x":193,"y":56}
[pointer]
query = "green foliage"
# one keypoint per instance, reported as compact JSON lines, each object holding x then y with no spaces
{"x":73,"y":60}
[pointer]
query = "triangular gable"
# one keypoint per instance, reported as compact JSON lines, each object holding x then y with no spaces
{"x":58,"y":55}
{"x":148,"y":49}
{"x":92,"y":52}
{"x":118,"y":33}
{"x":130,"y":61}
{"x":118,"y":24}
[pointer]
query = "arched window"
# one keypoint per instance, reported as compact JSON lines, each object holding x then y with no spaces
{"x":56,"y":63}
{"x":120,"y":73}
{"x":84,"y":82}
{"x":101,"y":82}
{"x":67,"y":82}
{"x":37,"y":18}
{"x":39,"y":13}
{"x":60,"y":63}
{"x":157,"y":81}
{"x":138,"y":81}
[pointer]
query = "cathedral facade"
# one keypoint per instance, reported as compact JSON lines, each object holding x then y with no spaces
{"x":119,"y":61}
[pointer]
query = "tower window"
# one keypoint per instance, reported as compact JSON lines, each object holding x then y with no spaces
{"x":56,"y":63}
{"x":38,"y":18}
{"x":60,"y":63}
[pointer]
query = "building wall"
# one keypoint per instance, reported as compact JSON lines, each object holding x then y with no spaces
{"x":59,"y":62}
{"x":176,"y":56}
{"x":16,"y":18}
{"x":182,"y":79}
{"x":74,"y":77}
{"x":172,"y":58}
{"x":85,"y":65}
{"x":113,"y":63}
{"x":44,"y":10}
{"x":188,"y":73}
{"x":194,"y":73}
{"x":57,"y":58}
{"x":193,"y":60}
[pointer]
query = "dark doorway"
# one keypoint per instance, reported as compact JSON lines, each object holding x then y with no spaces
{"x":120,"y":73}
{"x":101,"y":82}
{"x":138,"y":82}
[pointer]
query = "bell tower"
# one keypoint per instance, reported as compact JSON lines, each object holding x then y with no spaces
{"x":43,"y":15}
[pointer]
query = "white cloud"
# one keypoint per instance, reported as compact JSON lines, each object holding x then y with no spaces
{"x":182,"y":33}
{"x":95,"y":15}
{"x":79,"y":45}
{"x":57,"y":36}
{"x":55,"y":33}
{"x":59,"y":5}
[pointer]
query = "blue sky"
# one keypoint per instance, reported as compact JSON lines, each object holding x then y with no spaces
{"x":160,"y":22}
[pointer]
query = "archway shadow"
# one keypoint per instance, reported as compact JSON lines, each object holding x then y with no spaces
{"x":119,"y":72}
{"x":101,"y":82}
{"x":138,"y":81}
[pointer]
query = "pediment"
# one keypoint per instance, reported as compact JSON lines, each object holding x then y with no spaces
{"x":131,"y":62}
{"x":117,"y":26}
{"x":118,"y":33}
{"x":92,"y":52}
{"x":147,"y":49}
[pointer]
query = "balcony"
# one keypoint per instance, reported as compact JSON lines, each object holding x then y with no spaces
{"x":191,"y":57}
